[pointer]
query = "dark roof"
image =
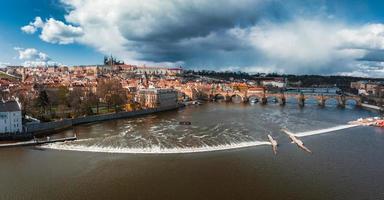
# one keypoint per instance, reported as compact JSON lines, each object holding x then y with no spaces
{"x":9,"y":106}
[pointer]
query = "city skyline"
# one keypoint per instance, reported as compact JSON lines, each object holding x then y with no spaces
{"x":192,"y":99}
{"x":314,"y":37}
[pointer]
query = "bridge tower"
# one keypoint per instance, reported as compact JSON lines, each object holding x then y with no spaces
{"x":322,"y":100}
{"x":264,"y":99}
{"x":301,"y":99}
{"x":211,"y":97}
{"x":227,"y":98}
{"x":282,"y":99}
{"x":245,"y":97}
{"x":359,"y":102}
{"x":341,"y":100}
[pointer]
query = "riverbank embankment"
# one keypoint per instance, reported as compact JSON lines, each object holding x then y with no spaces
{"x":47,"y":128}
{"x":372,"y":107}
{"x":37,"y":142}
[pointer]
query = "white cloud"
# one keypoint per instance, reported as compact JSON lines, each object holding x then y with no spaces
{"x":254,"y":69}
{"x":29,"y":29}
{"x":298,"y":42}
{"x":140,"y":26}
{"x":305,"y":46}
{"x":253,"y":35}
{"x":31,"y":54}
{"x":367,"y":69}
{"x":36,"y":63}
{"x":31,"y":57}
{"x":370,"y":36}
{"x":38,"y":22}
{"x":4,"y":64}
{"x":32,"y":27}
{"x":54,"y":31}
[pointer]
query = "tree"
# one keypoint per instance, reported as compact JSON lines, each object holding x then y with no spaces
{"x":42,"y":101}
{"x":62,"y":97}
{"x":26,"y":101}
{"x":117,"y":100}
{"x":75,"y":101}
{"x":112,"y":93}
{"x":92,"y":100}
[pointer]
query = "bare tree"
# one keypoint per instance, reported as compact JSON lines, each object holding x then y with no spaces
{"x":92,"y":100}
{"x":26,"y":100}
{"x":42,"y":101}
{"x":62,"y":97}
{"x":75,"y":101}
{"x":112,"y":93}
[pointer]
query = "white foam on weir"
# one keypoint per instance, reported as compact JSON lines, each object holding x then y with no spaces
{"x":326,"y":130}
{"x":150,"y":150}
{"x":83,"y":140}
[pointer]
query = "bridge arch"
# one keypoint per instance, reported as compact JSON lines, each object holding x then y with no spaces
{"x":253,"y":97}
{"x":202,"y":95}
{"x":331,"y":101}
{"x":183,"y":95}
{"x":351,"y":101}
{"x":312,"y":100}
{"x":219,"y":97}
{"x":236,"y":98}
{"x":291,"y":99}
{"x":272,"y":99}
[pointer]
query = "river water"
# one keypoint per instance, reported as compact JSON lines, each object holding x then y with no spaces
{"x":224,"y":154}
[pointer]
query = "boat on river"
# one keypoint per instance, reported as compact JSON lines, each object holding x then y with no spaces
{"x":185,"y":123}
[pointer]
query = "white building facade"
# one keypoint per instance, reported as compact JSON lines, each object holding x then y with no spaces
{"x":10,"y":117}
{"x":275,"y":83}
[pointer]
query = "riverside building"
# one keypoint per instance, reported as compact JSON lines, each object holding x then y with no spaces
{"x":10,"y":117}
{"x":157,"y":98}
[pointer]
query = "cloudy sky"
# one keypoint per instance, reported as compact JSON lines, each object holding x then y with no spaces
{"x":286,"y":36}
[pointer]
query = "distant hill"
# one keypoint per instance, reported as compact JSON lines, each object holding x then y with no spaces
{"x":305,"y":80}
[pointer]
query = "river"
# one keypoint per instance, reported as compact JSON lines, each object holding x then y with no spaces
{"x":223,"y":154}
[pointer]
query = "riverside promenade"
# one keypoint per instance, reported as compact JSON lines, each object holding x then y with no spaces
{"x":36,"y":129}
{"x":37,"y":142}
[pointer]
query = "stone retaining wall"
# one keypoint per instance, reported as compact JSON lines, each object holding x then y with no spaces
{"x":40,"y":128}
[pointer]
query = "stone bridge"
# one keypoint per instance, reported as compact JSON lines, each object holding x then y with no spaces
{"x":281,"y":98}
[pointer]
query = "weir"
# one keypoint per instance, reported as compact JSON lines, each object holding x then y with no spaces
{"x":298,"y":142}
{"x":326,"y":130}
{"x":294,"y":136}
{"x":159,"y":149}
{"x":38,"y":142}
{"x":153,"y":149}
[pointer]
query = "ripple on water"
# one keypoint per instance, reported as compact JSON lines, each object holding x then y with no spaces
{"x":213,"y":128}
